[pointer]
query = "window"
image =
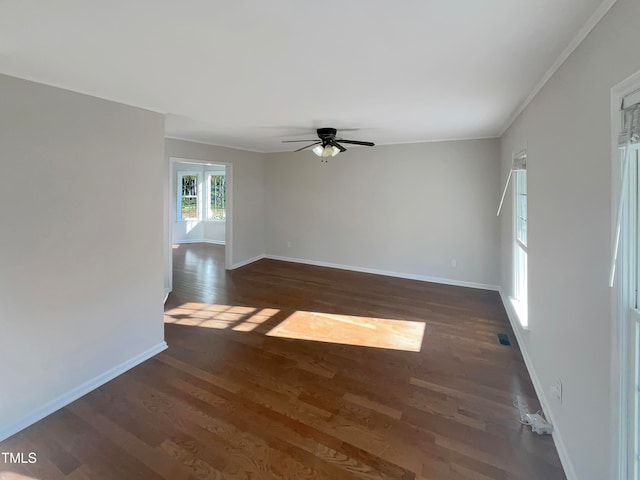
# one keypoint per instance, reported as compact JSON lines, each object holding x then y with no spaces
{"x":520,"y":240}
{"x":625,"y":277}
{"x":631,"y":314}
{"x":518,"y":173}
{"x":188,"y":196}
{"x":521,"y":235}
{"x":217,"y":194}
{"x":199,"y":199}
{"x":634,"y":313}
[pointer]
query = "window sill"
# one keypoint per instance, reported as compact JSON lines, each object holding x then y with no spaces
{"x":522,"y":312}
{"x":215,"y":220}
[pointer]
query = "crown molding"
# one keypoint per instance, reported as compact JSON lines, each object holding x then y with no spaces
{"x":600,"y":12}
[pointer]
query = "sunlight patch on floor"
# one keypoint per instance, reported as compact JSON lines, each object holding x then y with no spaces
{"x":352,"y":330}
{"x":241,"y":319}
{"x":316,"y":326}
{"x":14,"y":476}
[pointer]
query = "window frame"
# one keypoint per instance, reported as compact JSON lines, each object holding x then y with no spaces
{"x":207,"y":208}
{"x":629,"y":279}
{"x":520,"y":238}
{"x":179,"y":197}
{"x":520,"y":256}
{"x":624,"y":362}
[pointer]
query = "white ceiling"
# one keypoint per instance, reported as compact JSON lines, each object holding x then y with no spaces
{"x":251,"y":73}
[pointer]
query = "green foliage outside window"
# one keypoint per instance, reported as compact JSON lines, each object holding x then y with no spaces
{"x":218,"y":200}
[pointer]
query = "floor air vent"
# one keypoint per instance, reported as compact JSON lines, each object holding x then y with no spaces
{"x":504,"y":339}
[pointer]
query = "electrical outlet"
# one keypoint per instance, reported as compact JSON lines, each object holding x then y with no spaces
{"x":556,"y":390}
{"x":454,"y":263}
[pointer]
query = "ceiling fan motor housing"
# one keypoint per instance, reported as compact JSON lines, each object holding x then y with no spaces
{"x":326,"y":134}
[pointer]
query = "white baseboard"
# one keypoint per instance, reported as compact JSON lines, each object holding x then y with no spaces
{"x":66,"y":398}
{"x":408,"y":276}
{"x":567,"y":464}
{"x":201,"y":240}
{"x":247,"y":262}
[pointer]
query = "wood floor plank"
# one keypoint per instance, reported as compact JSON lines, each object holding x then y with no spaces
{"x":275,"y":371}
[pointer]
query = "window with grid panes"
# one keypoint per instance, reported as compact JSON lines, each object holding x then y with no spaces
{"x":188,"y":198}
{"x":217,"y":205}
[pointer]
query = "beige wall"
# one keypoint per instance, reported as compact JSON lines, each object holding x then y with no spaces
{"x":407,"y":209}
{"x":81,"y":245}
{"x":566,"y":130}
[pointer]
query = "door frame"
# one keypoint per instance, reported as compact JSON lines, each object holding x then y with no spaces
{"x":228,"y":235}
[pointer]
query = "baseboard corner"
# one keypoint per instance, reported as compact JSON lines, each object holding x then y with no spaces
{"x":70,"y":396}
{"x":242,"y":263}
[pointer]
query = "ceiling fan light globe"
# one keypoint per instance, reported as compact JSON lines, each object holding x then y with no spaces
{"x":318,"y":150}
{"x":334,"y":151}
{"x":326,"y":152}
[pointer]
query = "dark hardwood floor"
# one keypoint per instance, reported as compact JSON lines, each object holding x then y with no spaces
{"x":277,"y":371}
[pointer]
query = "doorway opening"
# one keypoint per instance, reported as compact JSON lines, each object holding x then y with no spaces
{"x":200,"y":201}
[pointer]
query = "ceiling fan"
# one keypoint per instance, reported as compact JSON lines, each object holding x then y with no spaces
{"x":327,"y":145}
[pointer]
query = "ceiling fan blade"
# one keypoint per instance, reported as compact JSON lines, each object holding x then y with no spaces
{"x":357,"y":142}
{"x":303,"y":148}
{"x":337,"y":145}
{"x":293,"y":141}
